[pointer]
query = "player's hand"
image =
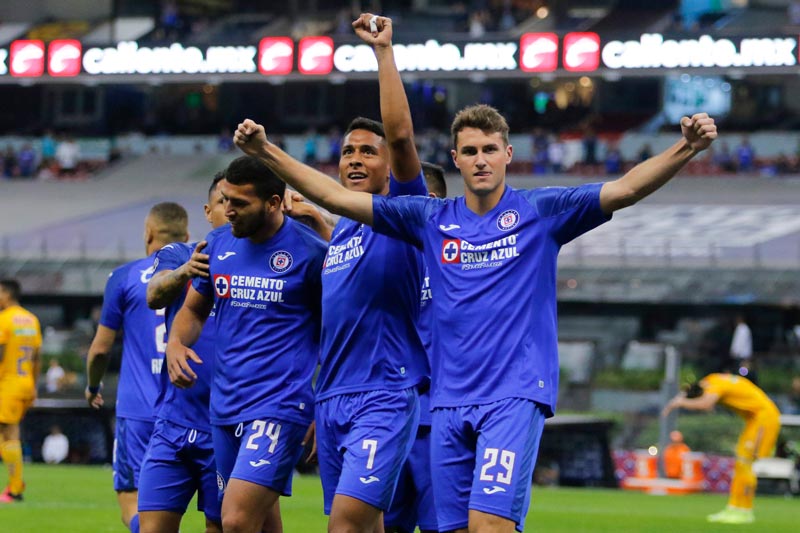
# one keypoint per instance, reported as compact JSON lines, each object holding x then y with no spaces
{"x":250,"y":137}
{"x":180,"y":373}
{"x":381,"y":37}
{"x":95,"y":401}
{"x":699,"y":131}
{"x":311,"y":436}
{"x":197,"y":265}
{"x":295,"y":205}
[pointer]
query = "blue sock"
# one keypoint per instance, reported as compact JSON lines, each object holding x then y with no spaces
{"x":135,"y":524}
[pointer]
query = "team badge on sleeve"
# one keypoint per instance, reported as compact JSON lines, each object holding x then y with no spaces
{"x":280,"y":261}
{"x":222,"y":285}
{"x":451,"y":249}
{"x":507,"y":220}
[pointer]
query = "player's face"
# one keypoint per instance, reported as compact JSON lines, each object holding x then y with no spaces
{"x":215,"y":208}
{"x":482,"y":159}
{"x":246,"y":212}
{"x":364,"y":163}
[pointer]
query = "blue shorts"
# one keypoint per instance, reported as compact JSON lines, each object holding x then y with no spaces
{"x":363,"y":440}
{"x":131,"y":438}
{"x":412,"y":504}
{"x":263,"y":452}
{"x":178,"y":463}
{"x":483,"y":456}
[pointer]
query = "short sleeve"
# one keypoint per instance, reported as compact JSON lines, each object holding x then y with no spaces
{"x":571,"y":211}
{"x":415,"y":187}
{"x":713,"y":385}
{"x":403,"y":217}
{"x":170,"y":257}
{"x":201,"y":284}
{"x":114,"y":300}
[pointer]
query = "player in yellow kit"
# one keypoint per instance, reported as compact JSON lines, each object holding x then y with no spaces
{"x":20,"y":340}
{"x":762,"y":425}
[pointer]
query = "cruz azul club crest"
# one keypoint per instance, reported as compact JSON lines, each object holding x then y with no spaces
{"x":507,"y":220}
{"x":280,"y":261}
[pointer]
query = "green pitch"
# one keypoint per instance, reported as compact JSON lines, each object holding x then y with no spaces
{"x":66,"y":499}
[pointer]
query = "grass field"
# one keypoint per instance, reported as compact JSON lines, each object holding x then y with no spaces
{"x":67,"y":499}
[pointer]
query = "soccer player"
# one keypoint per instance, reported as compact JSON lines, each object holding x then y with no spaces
{"x":180,"y":457}
{"x":263,"y":283}
{"x":20,"y":340}
{"x":413,"y":504}
{"x":757,"y":440}
{"x":372,"y":358}
{"x":143,"y":344}
{"x":492,"y":259}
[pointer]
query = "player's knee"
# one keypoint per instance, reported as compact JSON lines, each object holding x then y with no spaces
{"x":237,"y":523}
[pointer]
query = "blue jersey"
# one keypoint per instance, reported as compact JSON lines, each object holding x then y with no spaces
{"x":143,"y":339}
{"x":494,"y":277}
{"x":186,"y":407}
{"x":370,"y":306}
{"x":424,"y":329}
{"x":267,"y":321}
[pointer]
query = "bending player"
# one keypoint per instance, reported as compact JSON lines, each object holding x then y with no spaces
{"x":20,"y":366}
{"x":757,"y":440}
{"x":264,"y":287}
{"x":143,"y":343}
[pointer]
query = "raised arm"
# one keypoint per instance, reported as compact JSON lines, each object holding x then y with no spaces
{"x":166,"y":285}
{"x":314,"y":185}
{"x":699,"y":132}
{"x":395,"y":113}
{"x":185,"y":331}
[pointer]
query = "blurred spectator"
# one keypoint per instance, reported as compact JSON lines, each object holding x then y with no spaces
{"x":10,"y":162}
{"x":794,"y":12}
{"x":673,"y":455}
{"x":722,"y":158}
{"x":613,"y":160}
{"x":792,"y":406}
{"x":745,"y":156}
{"x":645,"y":153}
{"x":310,"y":150}
{"x":49,"y":146}
{"x":170,"y":19}
{"x":26,"y":160}
{"x":540,"y":151}
{"x":477,"y":23}
{"x":54,"y":378}
{"x":555,"y":154}
{"x":507,"y":20}
{"x":67,"y":154}
{"x":590,"y":147}
{"x":55,"y":447}
{"x":225,"y":140}
{"x":278,"y":141}
{"x":334,"y":145}
{"x":741,"y":351}
{"x":344,"y":22}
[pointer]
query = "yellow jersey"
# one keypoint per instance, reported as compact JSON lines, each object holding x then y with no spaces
{"x":20,"y":338}
{"x":739,"y":394}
